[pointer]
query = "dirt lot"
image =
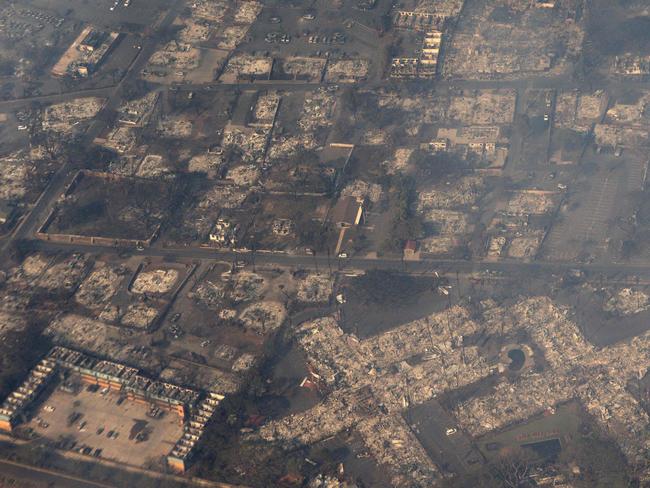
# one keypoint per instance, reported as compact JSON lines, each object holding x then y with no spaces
{"x":380,"y":301}
{"x":94,"y":209}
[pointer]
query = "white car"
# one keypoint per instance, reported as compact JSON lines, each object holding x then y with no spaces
{"x":451,"y":431}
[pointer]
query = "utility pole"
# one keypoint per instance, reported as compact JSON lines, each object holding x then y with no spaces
{"x":253,"y":254}
{"x":329,"y":262}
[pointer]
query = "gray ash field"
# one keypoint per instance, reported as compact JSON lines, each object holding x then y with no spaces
{"x":350,"y":243}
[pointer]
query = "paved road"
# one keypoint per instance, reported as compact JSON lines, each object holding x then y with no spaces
{"x":425,"y":266}
{"x":44,"y":477}
{"x":287,"y":85}
{"x":559,"y":83}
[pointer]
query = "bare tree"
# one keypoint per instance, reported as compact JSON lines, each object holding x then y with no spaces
{"x":513,"y":470}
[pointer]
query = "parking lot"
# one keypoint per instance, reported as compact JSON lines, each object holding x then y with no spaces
{"x":102,"y":428}
{"x":136,"y":13}
{"x":586,"y":227}
{"x":436,"y":429}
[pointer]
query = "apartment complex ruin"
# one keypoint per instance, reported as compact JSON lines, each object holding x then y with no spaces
{"x":193,"y":411}
{"x":86,"y":53}
{"x":425,"y":65}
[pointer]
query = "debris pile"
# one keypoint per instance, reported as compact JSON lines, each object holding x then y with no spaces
{"x":101,"y":339}
{"x":263,"y":317}
{"x":153,"y":166}
{"x":14,"y":173}
{"x":157,"y":281}
{"x":100,"y":286}
{"x":487,"y":107}
{"x":66,"y":274}
{"x":447,"y":222}
{"x":250,"y":144}
{"x":627,"y":302}
{"x":317,"y":110}
{"x":466,"y":191}
{"x":532,"y":202}
{"x":406,"y":456}
{"x":265,"y":109}
{"x":525,"y":246}
{"x":347,"y":70}
{"x":363,"y":190}
{"x":245,"y":175}
{"x":242,"y":66}
{"x":399,"y":161}
{"x":175,"y":127}
{"x":209,"y":162}
{"x":180,"y":56}
{"x":246,"y":286}
{"x":314,"y":288}
{"x":137,"y":112}
{"x":244,"y":362}
{"x":10,"y":322}
{"x":139,"y":315}
{"x":579,"y":111}
{"x":223,"y":196}
{"x":209,"y":294}
{"x":62,"y":117}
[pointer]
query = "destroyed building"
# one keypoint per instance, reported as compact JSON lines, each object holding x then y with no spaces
{"x":122,"y":379}
{"x":63,"y":117}
{"x":425,"y":65}
{"x":86,"y":53}
{"x":365,"y":374}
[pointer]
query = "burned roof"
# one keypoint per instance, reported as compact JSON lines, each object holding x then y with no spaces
{"x":128,"y":377}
